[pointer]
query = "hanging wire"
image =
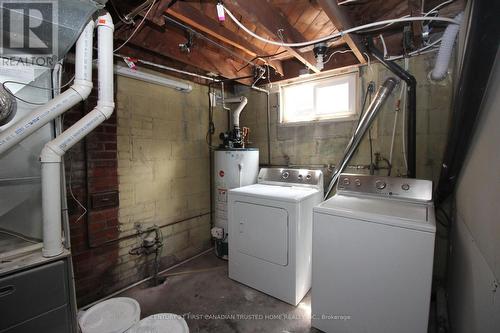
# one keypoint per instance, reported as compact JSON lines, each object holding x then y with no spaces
{"x":4,"y":85}
{"x":16,"y":235}
{"x":137,"y":28}
{"x":119,"y":14}
{"x":70,"y":187}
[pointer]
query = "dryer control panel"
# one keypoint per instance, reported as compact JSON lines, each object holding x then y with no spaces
{"x":396,"y":187}
{"x":291,"y":177}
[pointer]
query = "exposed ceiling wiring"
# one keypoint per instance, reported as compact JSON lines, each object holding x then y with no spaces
{"x":137,"y":28}
{"x":219,"y":45}
{"x":333,"y":53}
{"x":339,"y":33}
{"x":437,"y":7}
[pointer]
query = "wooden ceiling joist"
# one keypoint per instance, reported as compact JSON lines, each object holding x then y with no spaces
{"x":166,"y":43}
{"x":342,"y":21}
{"x":198,"y":20}
{"x":264,"y":15}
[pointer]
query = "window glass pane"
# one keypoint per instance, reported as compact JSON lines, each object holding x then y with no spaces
{"x":298,"y":102}
{"x":322,"y":99}
{"x":332,"y":99}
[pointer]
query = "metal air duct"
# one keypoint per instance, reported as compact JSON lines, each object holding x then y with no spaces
{"x":371,"y":113}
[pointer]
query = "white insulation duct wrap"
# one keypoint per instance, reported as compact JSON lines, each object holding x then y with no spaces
{"x":53,"y":151}
{"x":443,"y":58}
{"x":78,"y":92}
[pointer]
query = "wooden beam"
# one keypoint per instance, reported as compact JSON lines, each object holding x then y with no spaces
{"x":166,"y":43}
{"x":198,"y":20}
{"x":292,"y":66}
{"x":414,"y":9}
{"x":341,"y":21}
{"x":270,"y":19}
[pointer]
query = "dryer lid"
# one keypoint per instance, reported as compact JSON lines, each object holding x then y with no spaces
{"x":275,"y":192}
{"x":402,"y":214}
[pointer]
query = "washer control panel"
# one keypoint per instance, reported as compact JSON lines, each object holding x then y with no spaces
{"x":291,"y":177}
{"x":399,"y":188}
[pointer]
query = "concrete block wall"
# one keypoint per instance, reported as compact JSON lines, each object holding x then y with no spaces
{"x":163,"y":171}
{"x":315,"y":145}
{"x":322,"y":143}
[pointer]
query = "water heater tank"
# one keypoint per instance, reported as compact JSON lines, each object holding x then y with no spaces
{"x":232,"y":168}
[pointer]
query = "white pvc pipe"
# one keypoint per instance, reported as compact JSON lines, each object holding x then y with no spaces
{"x":51,"y":196}
{"x":78,"y":92}
{"x":236,"y":113}
{"x":53,"y":151}
{"x":443,"y":58}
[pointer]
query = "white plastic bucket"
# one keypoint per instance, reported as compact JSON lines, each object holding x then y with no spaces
{"x":115,"y":315}
{"x":161,"y":323}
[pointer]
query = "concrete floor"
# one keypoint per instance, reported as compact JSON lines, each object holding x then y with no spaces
{"x":201,"y":291}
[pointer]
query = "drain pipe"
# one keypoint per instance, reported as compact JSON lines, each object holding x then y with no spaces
{"x":411,"y":124}
{"x":371,"y":113}
{"x":53,"y":151}
{"x":78,"y":92}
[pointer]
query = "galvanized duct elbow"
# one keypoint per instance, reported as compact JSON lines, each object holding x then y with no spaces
{"x":371,"y":113}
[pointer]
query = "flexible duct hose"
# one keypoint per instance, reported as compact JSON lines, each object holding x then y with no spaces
{"x":443,"y":59}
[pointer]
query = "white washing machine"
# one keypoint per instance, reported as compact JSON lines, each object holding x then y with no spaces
{"x":373,"y":249}
{"x":270,"y":231}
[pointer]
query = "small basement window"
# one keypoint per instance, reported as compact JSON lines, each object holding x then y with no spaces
{"x":333,"y":98}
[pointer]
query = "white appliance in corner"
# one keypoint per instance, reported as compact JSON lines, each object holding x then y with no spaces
{"x":270,"y":231}
{"x":373,"y":249}
{"x":233,"y":167}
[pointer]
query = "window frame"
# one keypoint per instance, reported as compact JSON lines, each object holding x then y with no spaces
{"x":321,"y":81}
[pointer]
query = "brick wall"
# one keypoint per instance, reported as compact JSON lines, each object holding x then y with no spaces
{"x":91,"y":169}
{"x":153,"y":152}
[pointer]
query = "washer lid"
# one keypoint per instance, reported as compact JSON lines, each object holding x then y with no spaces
{"x":161,"y":323}
{"x":274,"y":192}
{"x":390,"y":212}
{"x":115,"y":315}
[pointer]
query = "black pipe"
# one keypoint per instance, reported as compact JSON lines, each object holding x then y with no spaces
{"x":411,"y":124}
{"x":268,"y":130}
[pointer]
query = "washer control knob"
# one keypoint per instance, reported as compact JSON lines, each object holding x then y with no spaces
{"x":346,"y":181}
{"x":357,"y":182}
{"x":380,"y":184}
{"x":405,"y":187}
{"x":285,"y":175}
{"x":300,"y":177}
{"x":308,"y":177}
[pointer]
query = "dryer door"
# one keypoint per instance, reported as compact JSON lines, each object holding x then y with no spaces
{"x":263,"y":232}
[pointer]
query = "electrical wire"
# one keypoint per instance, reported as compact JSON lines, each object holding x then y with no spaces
{"x":339,"y":33}
{"x":333,"y":53}
{"x":383,"y":45}
{"x":437,"y":7}
{"x":16,"y":235}
{"x":119,"y":14}
{"x":379,"y":28}
{"x":70,"y":187}
{"x":137,"y":28}
{"x":345,"y":2}
{"x":217,"y":44}
{"x":4,"y":85}
{"x":417,"y":52}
